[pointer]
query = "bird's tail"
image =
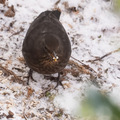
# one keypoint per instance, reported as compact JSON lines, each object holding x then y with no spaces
{"x":57,"y":13}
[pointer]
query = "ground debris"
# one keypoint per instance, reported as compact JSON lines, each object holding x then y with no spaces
{"x":2,"y":1}
{"x":100,"y":58}
{"x":30,"y":92}
{"x":16,"y":33}
{"x":89,"y":34}
{"x":2,"y":115}
{"x":85,"y":69}
{"x":14,"y":78}
{"x":10,"y":115}
{"x":10,"y":12}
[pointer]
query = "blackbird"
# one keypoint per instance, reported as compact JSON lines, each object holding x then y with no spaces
{"x":46,"y":47}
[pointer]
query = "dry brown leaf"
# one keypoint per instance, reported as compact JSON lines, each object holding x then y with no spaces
{"x":75,"y":73}
{"x":30,"y":92}
{"x":7,"y":102}
{"x":77,"y":12}
{"x":114,"y":85}
{"x":70,"y":25}
{"x":8,"y":62}
{"x":2,"y":1}
{"x":21,"y":59}
{"x":80,"y":68}
{"x":5,"y":93}
{"x":73,"y":9}
{"x":67,"y":85}
{"x":65,"y":4}
{"x":30,"y":115}
{"x":10,"y":12}
{"x":14,"y":77}
{"x":10,"y":114}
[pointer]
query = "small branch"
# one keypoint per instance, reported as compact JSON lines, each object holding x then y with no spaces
{"x":2,"y":59}
{"x":81,"y":68}
{"x":16,"y":33}
{"x":57,"y":2}
{"x":14,"y":78}
{"x":86,"y":66}
{"x":86,"y":69}
{"x":3,"y":48}
{"x":100,"y":58}
{"x":25,"y":117}
{"x":77,"y":60}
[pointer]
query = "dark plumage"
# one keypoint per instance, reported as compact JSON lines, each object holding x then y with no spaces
{"x":46,"y":47}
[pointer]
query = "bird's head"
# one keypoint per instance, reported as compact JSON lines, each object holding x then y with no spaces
{"x":51,"y":43}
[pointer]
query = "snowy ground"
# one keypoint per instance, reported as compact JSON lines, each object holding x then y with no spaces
{"x":93,"y":29}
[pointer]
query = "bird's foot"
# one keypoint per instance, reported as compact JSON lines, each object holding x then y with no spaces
{"x":30,"y":77}
{"x":51,"y":78}
{"x":56,"y":79}
{"x":59,"y":82}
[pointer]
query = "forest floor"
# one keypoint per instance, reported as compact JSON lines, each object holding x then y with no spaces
{"x":94,"y":32}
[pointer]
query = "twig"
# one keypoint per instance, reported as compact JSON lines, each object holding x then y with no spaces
{"x":86,"y":70}
{"x":3,"y":48}
{"x":25,"y":117}
{"x":14,"y":78}
{"x":18,"y":69}
{"x":100,"y":58}
{"x":86,"y":66}
{"x":81,"y":68}
{"x":57,"y":2}
{"x":77,"y":60}
{"x":3,"y":59}
{"x":7,"y":28}
{"x":16,"y":33}
{"x":11,"y":25}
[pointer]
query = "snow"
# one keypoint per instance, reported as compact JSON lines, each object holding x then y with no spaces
{"x":93,"y":30}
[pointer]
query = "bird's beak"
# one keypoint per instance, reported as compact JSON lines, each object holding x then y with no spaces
{"x":55,"y":57}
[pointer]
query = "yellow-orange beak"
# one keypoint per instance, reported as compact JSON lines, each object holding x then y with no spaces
{"x":55,"y":57}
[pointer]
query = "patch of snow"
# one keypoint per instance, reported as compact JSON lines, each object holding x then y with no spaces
{"x":94,"y":31}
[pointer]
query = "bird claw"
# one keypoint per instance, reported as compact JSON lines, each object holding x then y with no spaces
{"x":56,"y":79}
{"x":59,"y":82}
{"x":30,"y":76}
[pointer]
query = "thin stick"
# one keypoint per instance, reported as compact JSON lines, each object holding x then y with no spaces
{"x":57,"y":2}
{"x":16,"y":33}
{"x":9,"y":72}
{"x":25,"y":117}
{"x":86,"y":66}
{"x":2,"y":59}
{"x":100,"y":58}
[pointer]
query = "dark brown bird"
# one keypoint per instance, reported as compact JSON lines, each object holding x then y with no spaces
{"x":46,"y":47}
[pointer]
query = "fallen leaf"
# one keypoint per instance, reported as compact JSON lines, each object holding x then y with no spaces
{"x":10,"y":114}
{"x":30,"y":92}
{"x":67,"y":85}
{"x":10,"y":12}
{"x":21,"y":59}
{"x":70,"y":25}
{"x":2,"y":1}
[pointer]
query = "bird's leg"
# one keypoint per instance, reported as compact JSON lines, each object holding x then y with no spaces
{"x":56,"y":79}
{"x":59,"y":81}
{"x":30,"y":76}
{"x":49,"y":77}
